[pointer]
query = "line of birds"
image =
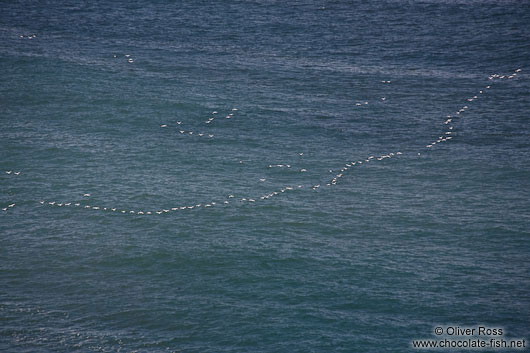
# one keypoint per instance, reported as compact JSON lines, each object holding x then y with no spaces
{"x":288,"y":166}
{"x":82,"y":205}
{"x":352,"y":164}
{"x":231,"y":198}
{"x":444,"y":138}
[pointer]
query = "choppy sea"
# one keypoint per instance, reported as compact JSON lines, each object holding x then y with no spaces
{"x":262,"y":176}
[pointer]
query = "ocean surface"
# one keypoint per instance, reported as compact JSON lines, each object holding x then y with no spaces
{"x":262,"y":176}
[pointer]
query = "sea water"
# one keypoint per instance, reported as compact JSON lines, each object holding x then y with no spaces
{"x":262,"y":176}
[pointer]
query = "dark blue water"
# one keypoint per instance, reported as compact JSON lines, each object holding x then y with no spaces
{"x":314,"y":218}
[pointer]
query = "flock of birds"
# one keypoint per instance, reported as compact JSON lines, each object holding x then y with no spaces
{"x":30,"y":36}
{"x":200,"y":134}
{"x":230,"y":199}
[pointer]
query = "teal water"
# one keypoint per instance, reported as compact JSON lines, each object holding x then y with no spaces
{"x":93,"y":99}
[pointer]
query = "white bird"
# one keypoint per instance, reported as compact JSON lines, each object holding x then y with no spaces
{"x":86,"y":195}
{"x":12,"y":205}
{"x":8,"y":172}
{"x":163,"y":125}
